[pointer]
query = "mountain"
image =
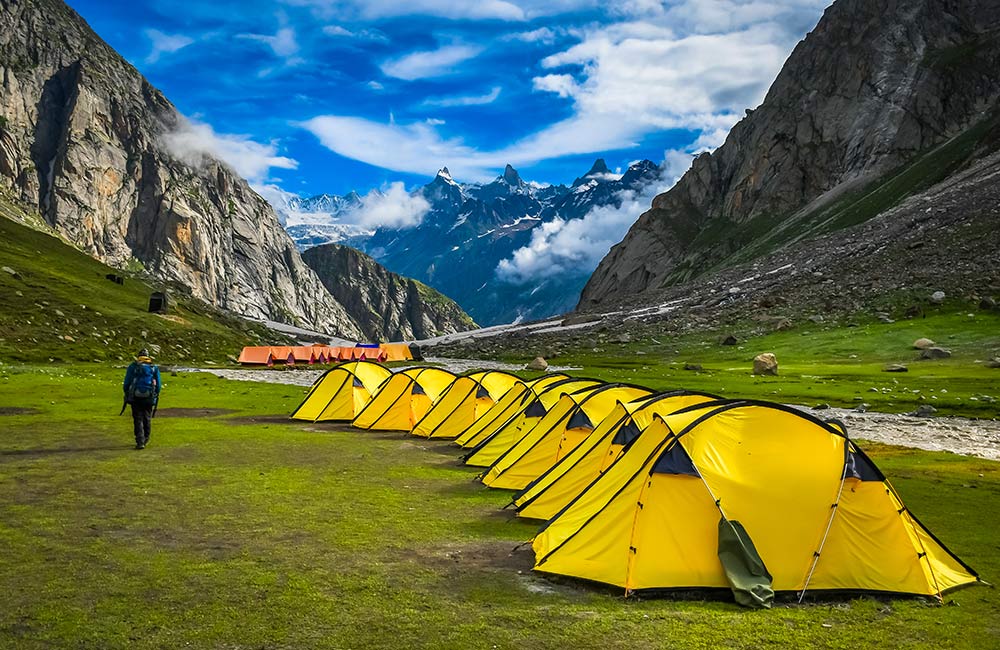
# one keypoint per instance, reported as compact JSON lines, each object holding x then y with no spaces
{"x":112,"y":167}
{"x":881,"y":103}
{"x":468,"y":229}
{"x":392,"y":307}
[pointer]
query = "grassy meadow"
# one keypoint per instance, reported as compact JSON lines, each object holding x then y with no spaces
{"x":819,"y":363}
{"x":237,"y":528}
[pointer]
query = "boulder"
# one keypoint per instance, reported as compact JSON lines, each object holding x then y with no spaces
{"x":937,"y":297}
{"x":816,"y":318}
{"x":783,"y":324}
{"x":728,"y":339}
{"x":923,"y":411}
{"x":692,"y":366}
{"x":578,"y":319}
{"x":923,"y":344}
{"x":987,"y":304}
{"x":895,"y":367}
{"x":993,"y":363}
{"x":765,"y":364}
{"x":621,"y":338}
{"x":538,"y":363}
{"x":935,"y":353}
{"x":14,"y":274}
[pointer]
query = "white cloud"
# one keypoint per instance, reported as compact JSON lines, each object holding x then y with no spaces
{"x":465,"y":100}
{"x":540,"y":35}
{"x":283,"y":43}
{"x":193,"y":142}
{"x":392,"y":207}
{"x":374,"y":85}
{"x":337,"y":30}
{"x":377,"y":9}
{"x":165,"y":44}
{"x":431,"y":63}
{"x":563,"y":85}
{"x":364,"y":34}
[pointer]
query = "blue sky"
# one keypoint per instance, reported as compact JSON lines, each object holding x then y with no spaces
{"x":332,"y":95}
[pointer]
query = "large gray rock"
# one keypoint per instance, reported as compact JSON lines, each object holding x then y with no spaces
{"x":923,"y":344}
{"x":83,"y":141}
{"x":538,"y":363}
{"x":935,"y":353}
{"x":871,"y":87}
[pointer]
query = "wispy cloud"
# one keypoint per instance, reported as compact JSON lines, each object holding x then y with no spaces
{"x":430,"y":63}
{"x":464,"y":100}
{"x":195,"y":142}
{"x":363,"y":34}
{"x":165,"y":44}
{"x":377,"y":9}
{"x":283,"y":44}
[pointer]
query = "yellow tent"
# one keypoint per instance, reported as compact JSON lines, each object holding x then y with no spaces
{"x":813,"y":509}
{"x":403,"y":399}
{"x":503,"y":409}
{"x":468,"y":398}
{"x":396,"y":351}
{"x":533,"y":409}
{"x":341,"y":392}
{"x":566,"y":425}
{"x":550,"y":492}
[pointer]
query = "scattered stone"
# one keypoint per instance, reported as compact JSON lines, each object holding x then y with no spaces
{"x":538,"y":363}
{"x":817,"y":318}
{"x":19,"y":294}
{"x":937,"y":297}
{"x":923,"y":411}
{"x":993,"y":363}
{"x":923,"y":344}
{"x":59,"y":313}
{"x":68,"y":338}
{"x":884,"y":318}
{"x":935,"y":353}
{"x":14,"y":274}
{"x":821,"y":407}
{"x":895,"y":367}
{"x":621,"y":338}
{"x":783,"y":325}
{"x":765,"y":364}
{"x":987,"y":304}
{"x":728,"y":339}
{"x":861,"y":408}
{"x":692,"y":366}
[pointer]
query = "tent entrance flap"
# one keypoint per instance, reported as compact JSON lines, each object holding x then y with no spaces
{"x":745,"y":571}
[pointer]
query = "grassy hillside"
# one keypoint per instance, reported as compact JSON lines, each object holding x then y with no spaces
{"x":238,"y":530}
{"x":57,"y":305}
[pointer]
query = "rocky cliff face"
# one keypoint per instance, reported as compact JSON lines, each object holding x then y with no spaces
{"x":388,"y":306}
{"x":82,"y":139}
{"x":881,"y":101}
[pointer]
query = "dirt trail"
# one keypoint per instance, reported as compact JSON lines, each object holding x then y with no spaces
{"x":979,"y":438}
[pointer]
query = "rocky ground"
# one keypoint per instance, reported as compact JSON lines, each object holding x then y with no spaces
{"x":964,"y":436}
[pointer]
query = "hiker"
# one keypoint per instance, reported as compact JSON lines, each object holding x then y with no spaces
{"x":142,"y":391}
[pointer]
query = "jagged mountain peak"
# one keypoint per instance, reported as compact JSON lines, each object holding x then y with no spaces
{"x":511,"y":177}
{"x":598,"y":171}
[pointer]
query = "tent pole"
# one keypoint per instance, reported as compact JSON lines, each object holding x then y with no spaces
{"x":829,"y":524}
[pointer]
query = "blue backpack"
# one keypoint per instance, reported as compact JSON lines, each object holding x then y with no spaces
{"x":143,"y":382}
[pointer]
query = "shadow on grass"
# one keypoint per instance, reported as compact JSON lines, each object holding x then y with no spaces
{"x":14,"y":453}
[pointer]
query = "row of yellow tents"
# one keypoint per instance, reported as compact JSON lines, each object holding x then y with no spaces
{"x":673,"y":490}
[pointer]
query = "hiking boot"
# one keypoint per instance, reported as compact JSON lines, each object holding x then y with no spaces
{"x":139,"y":445}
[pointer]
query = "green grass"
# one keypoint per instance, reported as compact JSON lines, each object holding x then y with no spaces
{"x":818,"y":363}
{"x":61,"y":307}
{"x":226,"y":533}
